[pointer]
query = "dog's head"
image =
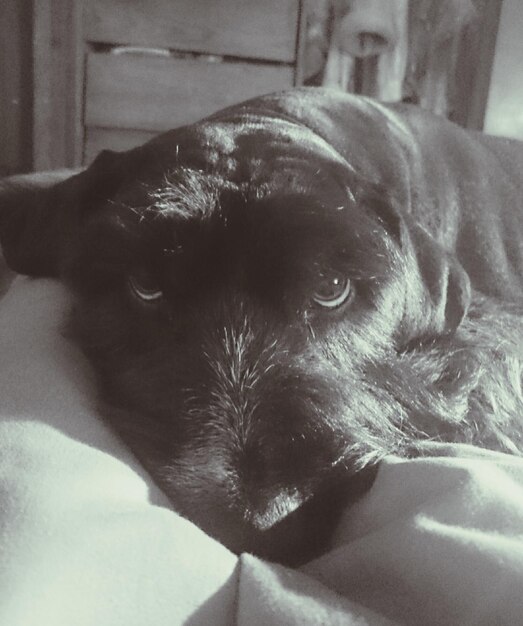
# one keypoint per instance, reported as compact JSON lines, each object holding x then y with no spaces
{"x":241,"y":289}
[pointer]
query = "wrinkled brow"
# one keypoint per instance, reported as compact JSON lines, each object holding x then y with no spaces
{"x":186,"y":193}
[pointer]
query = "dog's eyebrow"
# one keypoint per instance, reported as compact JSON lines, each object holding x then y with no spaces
{"x":185,"y":193}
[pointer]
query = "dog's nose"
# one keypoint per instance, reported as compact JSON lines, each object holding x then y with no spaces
{"x":256,"y":465}
{"x":282,"y":462}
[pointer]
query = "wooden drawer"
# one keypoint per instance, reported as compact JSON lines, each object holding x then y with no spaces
{"x":263,"y":29}
{"x":156,"y":93}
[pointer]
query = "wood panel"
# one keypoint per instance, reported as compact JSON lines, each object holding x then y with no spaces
{"x":15,"y":86}
{"x":98,"y":139}
{"x":301,"y":45}
{"x":156,"y":93}
{"x":244,"y":28}
{"x":471,"y":80}
{"x":57,"y":84}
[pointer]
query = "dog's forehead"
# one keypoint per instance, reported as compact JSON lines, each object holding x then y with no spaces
{"x":264,"y":138}
{"x":252,"y":172}
{"x":251,"y":149}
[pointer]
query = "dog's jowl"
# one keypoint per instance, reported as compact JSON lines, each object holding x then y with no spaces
{"x":280,"y":295}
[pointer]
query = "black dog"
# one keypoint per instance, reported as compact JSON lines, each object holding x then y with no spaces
{"x":276,"y":297}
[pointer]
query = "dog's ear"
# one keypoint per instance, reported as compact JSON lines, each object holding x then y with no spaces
{"x":438,"y":289}
{"x":445,"y":285}
{"x":39,"y":213}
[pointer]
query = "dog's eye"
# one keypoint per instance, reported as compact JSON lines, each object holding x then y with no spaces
{"x":333,"y":290}
{"x":143,"y":285}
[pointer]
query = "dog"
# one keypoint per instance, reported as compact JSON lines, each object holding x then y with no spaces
{"x":276,"y":297}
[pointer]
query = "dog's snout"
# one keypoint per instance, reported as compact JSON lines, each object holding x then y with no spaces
{"x":272,"y":461}
{"x":256,"y":463}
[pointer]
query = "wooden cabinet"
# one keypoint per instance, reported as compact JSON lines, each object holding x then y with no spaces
{"x":248,"y":29}
{"x":113,"y":73}
{"x":126,"y":92}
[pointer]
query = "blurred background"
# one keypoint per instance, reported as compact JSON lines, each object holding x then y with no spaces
{"x":78,"y":76}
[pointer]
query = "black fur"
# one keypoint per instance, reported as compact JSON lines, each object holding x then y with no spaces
{"x":244,"y":397}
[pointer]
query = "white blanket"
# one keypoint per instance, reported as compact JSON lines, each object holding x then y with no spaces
{"x":87,"y":539}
